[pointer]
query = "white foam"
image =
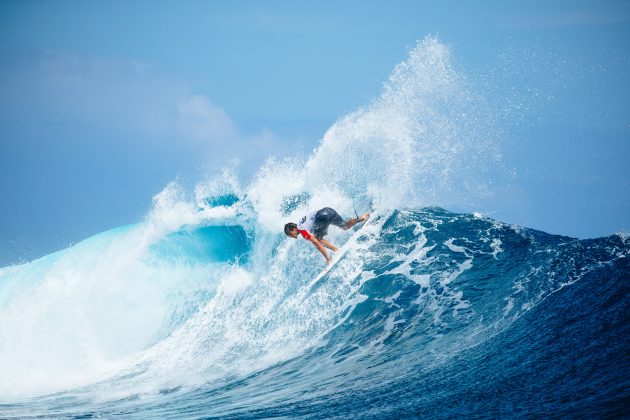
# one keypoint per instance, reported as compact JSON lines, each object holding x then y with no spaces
{"x":236,"y":281}
{"x":496,"y":247}
{"x":453,"y":247}
{"x":93,"y":307}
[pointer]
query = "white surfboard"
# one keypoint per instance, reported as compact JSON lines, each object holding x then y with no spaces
{"x":338,"y":256}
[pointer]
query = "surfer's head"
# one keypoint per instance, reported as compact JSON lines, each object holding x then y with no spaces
{"x":291,"y":230}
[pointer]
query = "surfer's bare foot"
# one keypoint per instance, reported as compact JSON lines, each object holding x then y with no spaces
{"x":364,"y":217}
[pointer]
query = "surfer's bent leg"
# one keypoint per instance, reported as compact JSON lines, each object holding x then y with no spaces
{"x":324,"y":218}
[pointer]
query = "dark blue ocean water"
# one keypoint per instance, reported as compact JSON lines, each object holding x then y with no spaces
{"x":428,"y":314}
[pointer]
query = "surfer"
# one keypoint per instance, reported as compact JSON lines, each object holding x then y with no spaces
{"x":314,"y":226}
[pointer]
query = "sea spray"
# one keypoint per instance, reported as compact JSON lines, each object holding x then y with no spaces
{"x":427,"y":139}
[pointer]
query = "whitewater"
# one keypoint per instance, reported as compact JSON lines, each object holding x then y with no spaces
{"x":203,"y":308}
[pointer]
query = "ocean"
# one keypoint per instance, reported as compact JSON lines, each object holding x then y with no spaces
{"x":205,"y":309}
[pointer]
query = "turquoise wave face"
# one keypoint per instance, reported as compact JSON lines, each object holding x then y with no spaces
{"x":424,"y":306}
{"x":223,"y":244}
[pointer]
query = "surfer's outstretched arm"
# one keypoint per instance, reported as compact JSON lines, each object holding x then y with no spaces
{"x":321,"y":248}
{"x":328,"y":245}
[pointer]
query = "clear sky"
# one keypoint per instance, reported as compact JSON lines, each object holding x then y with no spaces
{"x":104,"y":102}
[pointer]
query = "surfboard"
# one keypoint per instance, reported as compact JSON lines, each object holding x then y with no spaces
{"x":338,"y":256}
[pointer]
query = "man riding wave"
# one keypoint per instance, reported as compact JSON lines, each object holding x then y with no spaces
{"x":314,"y":226}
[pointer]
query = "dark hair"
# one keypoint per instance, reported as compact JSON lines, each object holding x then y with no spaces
{"x":289,"y":227}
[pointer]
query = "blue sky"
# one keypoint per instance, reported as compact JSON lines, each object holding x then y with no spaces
{"x":103,"y":103}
